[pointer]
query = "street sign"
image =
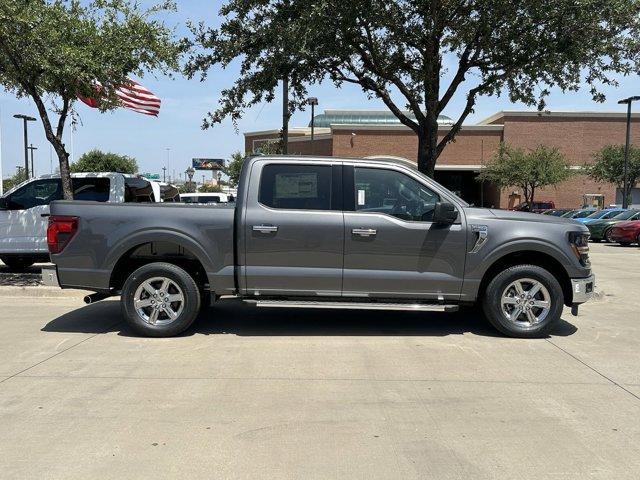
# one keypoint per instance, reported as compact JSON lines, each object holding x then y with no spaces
{"x":208,"y":163}
{"x":151,"y":176}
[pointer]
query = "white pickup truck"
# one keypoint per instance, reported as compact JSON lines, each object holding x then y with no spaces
{"x":24,"y":210}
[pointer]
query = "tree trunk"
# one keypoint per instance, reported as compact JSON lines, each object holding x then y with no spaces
{"x":65,"y":171}
{"x":428,"y":145}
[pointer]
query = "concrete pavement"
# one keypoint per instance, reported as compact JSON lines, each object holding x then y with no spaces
{"x":309,"y":394}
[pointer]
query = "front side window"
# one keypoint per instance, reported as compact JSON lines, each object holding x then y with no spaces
{"x":296,"y":187}
{"x":40,"y":192}
{"x":393,"y":193}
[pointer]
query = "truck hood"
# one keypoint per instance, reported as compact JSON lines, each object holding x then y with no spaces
{"x":520,"y":216}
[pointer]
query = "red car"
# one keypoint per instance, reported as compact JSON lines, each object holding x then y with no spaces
{"x":626,"y":233}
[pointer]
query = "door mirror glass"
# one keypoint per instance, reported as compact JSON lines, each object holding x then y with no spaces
{"x":445,"y":213}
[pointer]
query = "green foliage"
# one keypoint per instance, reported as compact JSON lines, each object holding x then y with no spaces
{"x":234,"y":167}
{"x":98,"y":161}
{"x":187,"y":187}
{"x":419,"y":55}
{"x":53,"y":51}
{"x":270,"y":147}
{"x":609,"y":166}
{"x":208,"y":188}
{"x":513,"y":167}
{"x":16,"y":179}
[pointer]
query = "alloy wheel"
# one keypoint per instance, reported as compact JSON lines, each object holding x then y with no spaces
{"x":159,"y":301}
{"x":525,"y":302}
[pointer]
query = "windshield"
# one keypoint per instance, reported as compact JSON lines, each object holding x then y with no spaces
{"x":626,"y":215}
{"x":598,"y":214}
{"x":582,"y":214}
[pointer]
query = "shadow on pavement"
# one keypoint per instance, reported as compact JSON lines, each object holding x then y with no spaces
{"x":236,"y":318}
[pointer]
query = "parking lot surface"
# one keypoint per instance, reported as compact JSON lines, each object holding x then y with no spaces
{"x":312,"y":394}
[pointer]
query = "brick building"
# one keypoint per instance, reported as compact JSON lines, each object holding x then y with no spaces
{"x":372,"y":133}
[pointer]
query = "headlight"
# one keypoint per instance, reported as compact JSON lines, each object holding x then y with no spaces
{"x":580,"y":245}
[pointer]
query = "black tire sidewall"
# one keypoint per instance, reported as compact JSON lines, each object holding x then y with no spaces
{"x":186,"y":283}
{"x":493,"y":309}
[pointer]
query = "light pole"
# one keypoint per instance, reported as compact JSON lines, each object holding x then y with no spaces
{"x":168,"y":162}
{"x":313,"y":101}
{"x":25,"y":119}
{"x":628,"y":102}
{"x":190,"y":173}
{"x":164,"y":174}
{"x":33,"y":170}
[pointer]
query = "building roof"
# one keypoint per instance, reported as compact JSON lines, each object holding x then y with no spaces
{"x":500,"y":116}
{"x":365,"y":117}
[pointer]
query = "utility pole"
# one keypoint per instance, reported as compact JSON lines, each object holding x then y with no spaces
{"x":625,"y":189}
{"x":25,"y":119}
{"x":313,"y":101}
{"x":33,"y":170}
{"x":285,"y":116}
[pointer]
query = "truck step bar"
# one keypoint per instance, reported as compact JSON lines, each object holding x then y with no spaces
{"x":414,"y":307}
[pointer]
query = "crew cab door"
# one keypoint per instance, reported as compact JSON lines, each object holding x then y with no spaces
{"x":392,"y":247}
{"x":293,"y":229}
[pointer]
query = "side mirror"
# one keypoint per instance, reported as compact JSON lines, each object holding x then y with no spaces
{"x":3,"y":203}
{"x":445,"y":213}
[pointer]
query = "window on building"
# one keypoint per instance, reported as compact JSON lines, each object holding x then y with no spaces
{"x":394,"y":193}
{"x":296,"y":187}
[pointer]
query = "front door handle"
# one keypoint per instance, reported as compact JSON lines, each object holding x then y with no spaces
{"x":265,"y":228}
{"x":364,"y":232}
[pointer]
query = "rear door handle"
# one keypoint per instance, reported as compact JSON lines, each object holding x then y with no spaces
{"x":265,"y":228}
{"x":364,"y":232}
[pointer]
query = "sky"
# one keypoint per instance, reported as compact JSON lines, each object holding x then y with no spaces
{"x":185,"y":103}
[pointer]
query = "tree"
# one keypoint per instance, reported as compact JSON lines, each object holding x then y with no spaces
{"x":609,"y":167}
{"x":16,"y":179}
{"x":234,"y":167}
{"x":53,"y":51}
{"x":513,"y":167}
{"x":418,"y":55}
{"x":98,"y":161}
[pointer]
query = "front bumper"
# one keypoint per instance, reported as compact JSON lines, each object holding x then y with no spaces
{"x":583,"y":289}
{"x":50,"y":276}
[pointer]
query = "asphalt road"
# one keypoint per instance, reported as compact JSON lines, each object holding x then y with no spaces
{"x":316,"y":395}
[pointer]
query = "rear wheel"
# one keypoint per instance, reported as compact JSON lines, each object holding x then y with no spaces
{"x":160,"y":300}
{"x":17,"y":263}
{"x":524,"y":301}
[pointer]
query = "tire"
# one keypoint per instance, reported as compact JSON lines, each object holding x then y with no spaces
{"x":607,"y":236}
{"x":17,"y":263}
{"x":505,"y":284}
{"x":154,"y":315}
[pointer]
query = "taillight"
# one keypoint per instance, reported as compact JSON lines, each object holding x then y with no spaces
{"x":60,"y":232}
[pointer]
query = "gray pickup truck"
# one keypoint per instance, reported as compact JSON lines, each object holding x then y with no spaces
{"x":323,"y":233}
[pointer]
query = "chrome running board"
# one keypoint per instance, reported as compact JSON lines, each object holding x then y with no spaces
{"x":413,"y":307}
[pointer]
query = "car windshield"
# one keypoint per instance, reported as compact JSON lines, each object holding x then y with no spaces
{"x":582,"y":213}
{"x":598,"y":214}
{"x":626,"y":215}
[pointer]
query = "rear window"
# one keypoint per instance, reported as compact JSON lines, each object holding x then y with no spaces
{"x":138,"y":190}
{"x":91,"y":189}
{"x":296,"y":187}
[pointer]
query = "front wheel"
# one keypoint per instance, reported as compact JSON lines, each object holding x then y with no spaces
{"x":608,"y":236}
{"x":160,"y":300}
{"x":524,"y":301}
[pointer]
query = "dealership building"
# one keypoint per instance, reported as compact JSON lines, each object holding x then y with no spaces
{"x":366,"y":133}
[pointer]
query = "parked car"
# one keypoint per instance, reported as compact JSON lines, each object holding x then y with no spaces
{"x":25,"y":208}
{"x":320,"y":233}
{"x":557,"y":212}
{"x":625,"y":233}
{"x":579,"y":213}
{"x":603,"y":214}
{"x":535,"y":207}
{"x":601,"y":229}
{"x":204,"y":198}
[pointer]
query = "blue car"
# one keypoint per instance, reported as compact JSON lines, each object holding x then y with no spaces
{"x":603,"y":214}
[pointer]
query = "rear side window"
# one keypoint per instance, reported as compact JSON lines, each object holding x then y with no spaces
{"x":91,"y":189}
{"x":138,"y":190}
{"x":296,"y":187}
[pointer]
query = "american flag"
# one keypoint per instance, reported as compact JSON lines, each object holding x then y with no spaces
{"x":132,"y":96}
